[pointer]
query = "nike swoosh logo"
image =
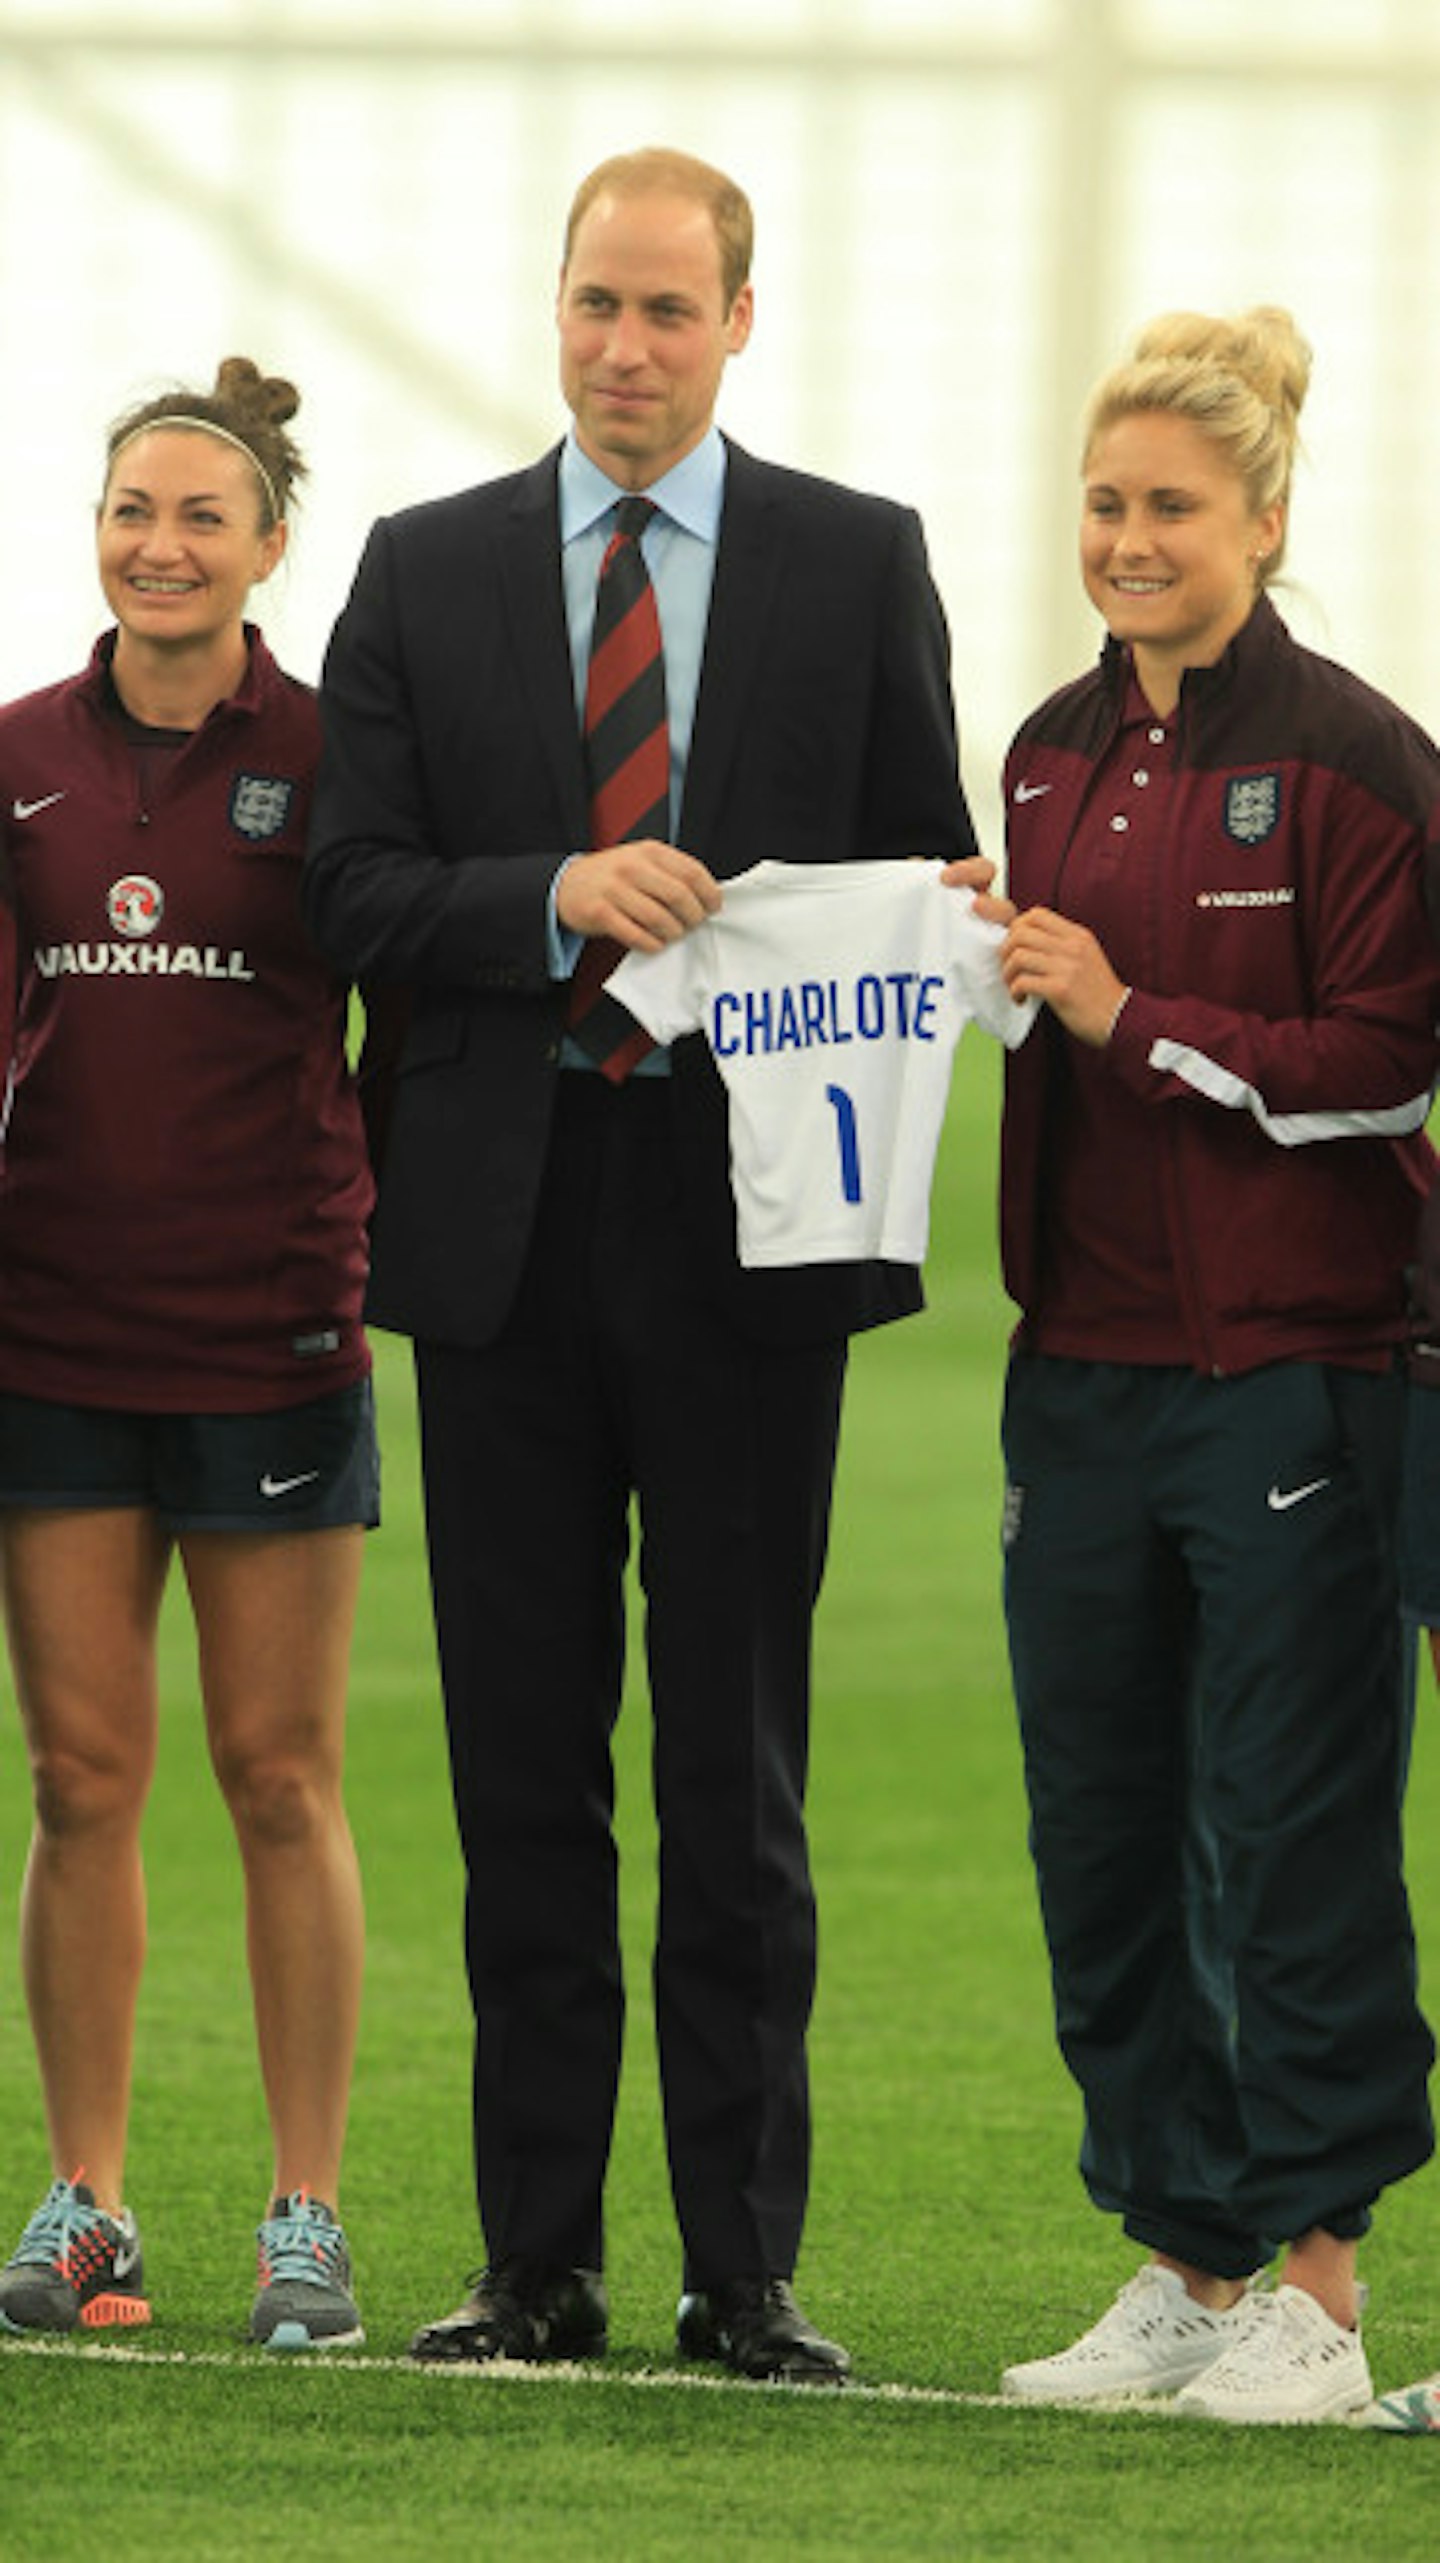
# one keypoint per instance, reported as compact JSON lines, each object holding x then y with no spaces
{"x":1279,"y":1503}
{"x":1032,"y":791}
{"x":127,"y":2259}
{"x":286,"y":1485}
{"x":27,"y":809}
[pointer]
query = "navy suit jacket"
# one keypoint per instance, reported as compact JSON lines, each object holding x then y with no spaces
{"x":452,"y":786}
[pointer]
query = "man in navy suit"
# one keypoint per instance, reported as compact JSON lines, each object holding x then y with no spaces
{"x":562,"y":1249}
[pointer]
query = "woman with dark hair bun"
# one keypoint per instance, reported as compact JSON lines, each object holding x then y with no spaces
{"x":183,"y":1199}
{"x":1214,"y":1159}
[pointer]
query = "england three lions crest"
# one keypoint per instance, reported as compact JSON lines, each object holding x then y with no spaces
{"x":1252,"y":808}
{"x":260,"y":806}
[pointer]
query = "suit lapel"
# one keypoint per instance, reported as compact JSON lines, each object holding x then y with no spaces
{"x":534,"y":600}
{"x":748,"y":566}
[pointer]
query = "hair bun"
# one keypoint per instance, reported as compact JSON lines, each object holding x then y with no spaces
{"x":242,"y":387}
{"x":1261,"y":346}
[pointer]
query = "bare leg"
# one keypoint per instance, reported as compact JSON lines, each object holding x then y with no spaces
{"x":82,"y":1598}
{"x":1216,"y":2294}
{"x":275,"y":1614}
{"x":1325,"y":2268}
{"x":1317,"y":2262}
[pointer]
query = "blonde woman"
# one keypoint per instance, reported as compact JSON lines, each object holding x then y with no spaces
{"x":1213,"y":1165}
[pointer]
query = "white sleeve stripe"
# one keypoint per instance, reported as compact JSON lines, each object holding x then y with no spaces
{"x":1287,"y":1129}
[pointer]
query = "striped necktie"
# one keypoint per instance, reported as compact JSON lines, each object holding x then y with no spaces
{"x":627,"y":764}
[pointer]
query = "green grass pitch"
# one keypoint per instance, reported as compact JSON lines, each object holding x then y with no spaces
{"x":948,"y":2230}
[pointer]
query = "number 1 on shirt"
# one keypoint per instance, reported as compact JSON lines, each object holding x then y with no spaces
{"x":849,"y":1141}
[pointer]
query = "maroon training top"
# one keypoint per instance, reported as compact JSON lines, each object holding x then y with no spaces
{"x":183,"y":1184}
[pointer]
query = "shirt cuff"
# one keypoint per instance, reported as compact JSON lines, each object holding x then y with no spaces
{"x":562,"y":947}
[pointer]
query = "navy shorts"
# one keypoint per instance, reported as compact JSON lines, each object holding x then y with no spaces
{"x":314,"y":1467}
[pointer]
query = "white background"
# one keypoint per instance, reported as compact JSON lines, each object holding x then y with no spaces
{"x":964,"y":209}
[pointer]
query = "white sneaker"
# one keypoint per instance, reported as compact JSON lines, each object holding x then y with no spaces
{"x":1289,"y":2363}
{"x":1412,"y":2410}
{"x":1153,"y":2340}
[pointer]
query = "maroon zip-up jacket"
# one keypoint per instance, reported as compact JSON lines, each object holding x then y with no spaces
{"x":1283,"y":1022}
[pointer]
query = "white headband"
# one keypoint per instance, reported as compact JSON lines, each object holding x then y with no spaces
{"x":206,"y":427}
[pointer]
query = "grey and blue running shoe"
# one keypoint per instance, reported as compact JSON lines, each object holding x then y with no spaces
{"x":304,"y":2299}
{"x":74,"y":2265}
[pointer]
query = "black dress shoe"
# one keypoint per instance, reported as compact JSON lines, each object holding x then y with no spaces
{"x":755,"y":2326}
{"x":519,"y":2310}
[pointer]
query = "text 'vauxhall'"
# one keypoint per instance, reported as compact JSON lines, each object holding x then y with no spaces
{"x":141,"y":961}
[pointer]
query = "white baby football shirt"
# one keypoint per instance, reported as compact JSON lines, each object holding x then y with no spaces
{"x":832,"y":996}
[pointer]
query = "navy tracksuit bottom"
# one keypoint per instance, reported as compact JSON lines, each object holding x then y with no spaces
{"x":1200,"y":1586}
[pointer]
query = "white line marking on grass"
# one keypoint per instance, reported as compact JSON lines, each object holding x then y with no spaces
{"x":514,"y":2371}
{"x":500,"y":2371}
{"x":508,"y":2371}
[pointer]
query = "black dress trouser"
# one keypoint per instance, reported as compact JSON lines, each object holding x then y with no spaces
{"x":614,"y":1378}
